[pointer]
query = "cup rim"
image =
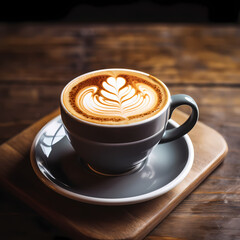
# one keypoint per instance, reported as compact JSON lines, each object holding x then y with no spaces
{"x":120,"y":125}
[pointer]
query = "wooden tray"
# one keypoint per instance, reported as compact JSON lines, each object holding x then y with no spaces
{"x":84,"y":221}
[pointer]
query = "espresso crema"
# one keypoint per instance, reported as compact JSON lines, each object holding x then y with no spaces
{"x":114,"y":97}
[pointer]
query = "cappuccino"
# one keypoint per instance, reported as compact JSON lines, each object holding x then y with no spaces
{"x":114,"y":96}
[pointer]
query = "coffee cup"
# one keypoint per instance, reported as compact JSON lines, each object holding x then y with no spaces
{"x":113,"y":118}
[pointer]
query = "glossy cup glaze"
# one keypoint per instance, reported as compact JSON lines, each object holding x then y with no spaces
{"x":119,"y":149}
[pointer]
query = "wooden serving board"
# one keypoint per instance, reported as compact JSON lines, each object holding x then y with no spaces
{"x":85,"y":221}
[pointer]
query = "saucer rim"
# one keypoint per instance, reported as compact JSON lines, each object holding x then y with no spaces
{"x":112,"y":201}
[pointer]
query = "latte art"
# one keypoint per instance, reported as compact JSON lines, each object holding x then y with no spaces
{"x":116,"y":98}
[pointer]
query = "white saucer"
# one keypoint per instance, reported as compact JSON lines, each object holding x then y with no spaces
{"x":57,"y":165}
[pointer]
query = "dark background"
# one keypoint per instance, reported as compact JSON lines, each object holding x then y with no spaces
{"x":121,"y":11}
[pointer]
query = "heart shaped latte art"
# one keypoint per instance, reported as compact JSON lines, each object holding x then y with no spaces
{"x":116,"y":98}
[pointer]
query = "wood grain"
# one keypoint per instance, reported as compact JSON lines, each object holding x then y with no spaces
{"x":37,"y":60}
{"x":176,"y":54}
{"x":98,"y":222}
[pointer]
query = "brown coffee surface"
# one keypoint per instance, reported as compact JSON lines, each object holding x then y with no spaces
{"x":114,"y":97}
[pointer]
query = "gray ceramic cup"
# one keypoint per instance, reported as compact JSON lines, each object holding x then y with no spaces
{"x":122,"y":149}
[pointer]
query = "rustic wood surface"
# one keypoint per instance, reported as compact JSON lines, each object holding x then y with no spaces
{"x":37,"y":60}
{"x":86,"y":221}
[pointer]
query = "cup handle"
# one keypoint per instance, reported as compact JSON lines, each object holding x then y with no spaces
{"x":176,"y":101}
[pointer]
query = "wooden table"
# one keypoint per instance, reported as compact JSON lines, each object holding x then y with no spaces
{"x":37,"y":60}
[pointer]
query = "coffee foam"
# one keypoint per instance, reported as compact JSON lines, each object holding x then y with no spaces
{"x":114,"y":97}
